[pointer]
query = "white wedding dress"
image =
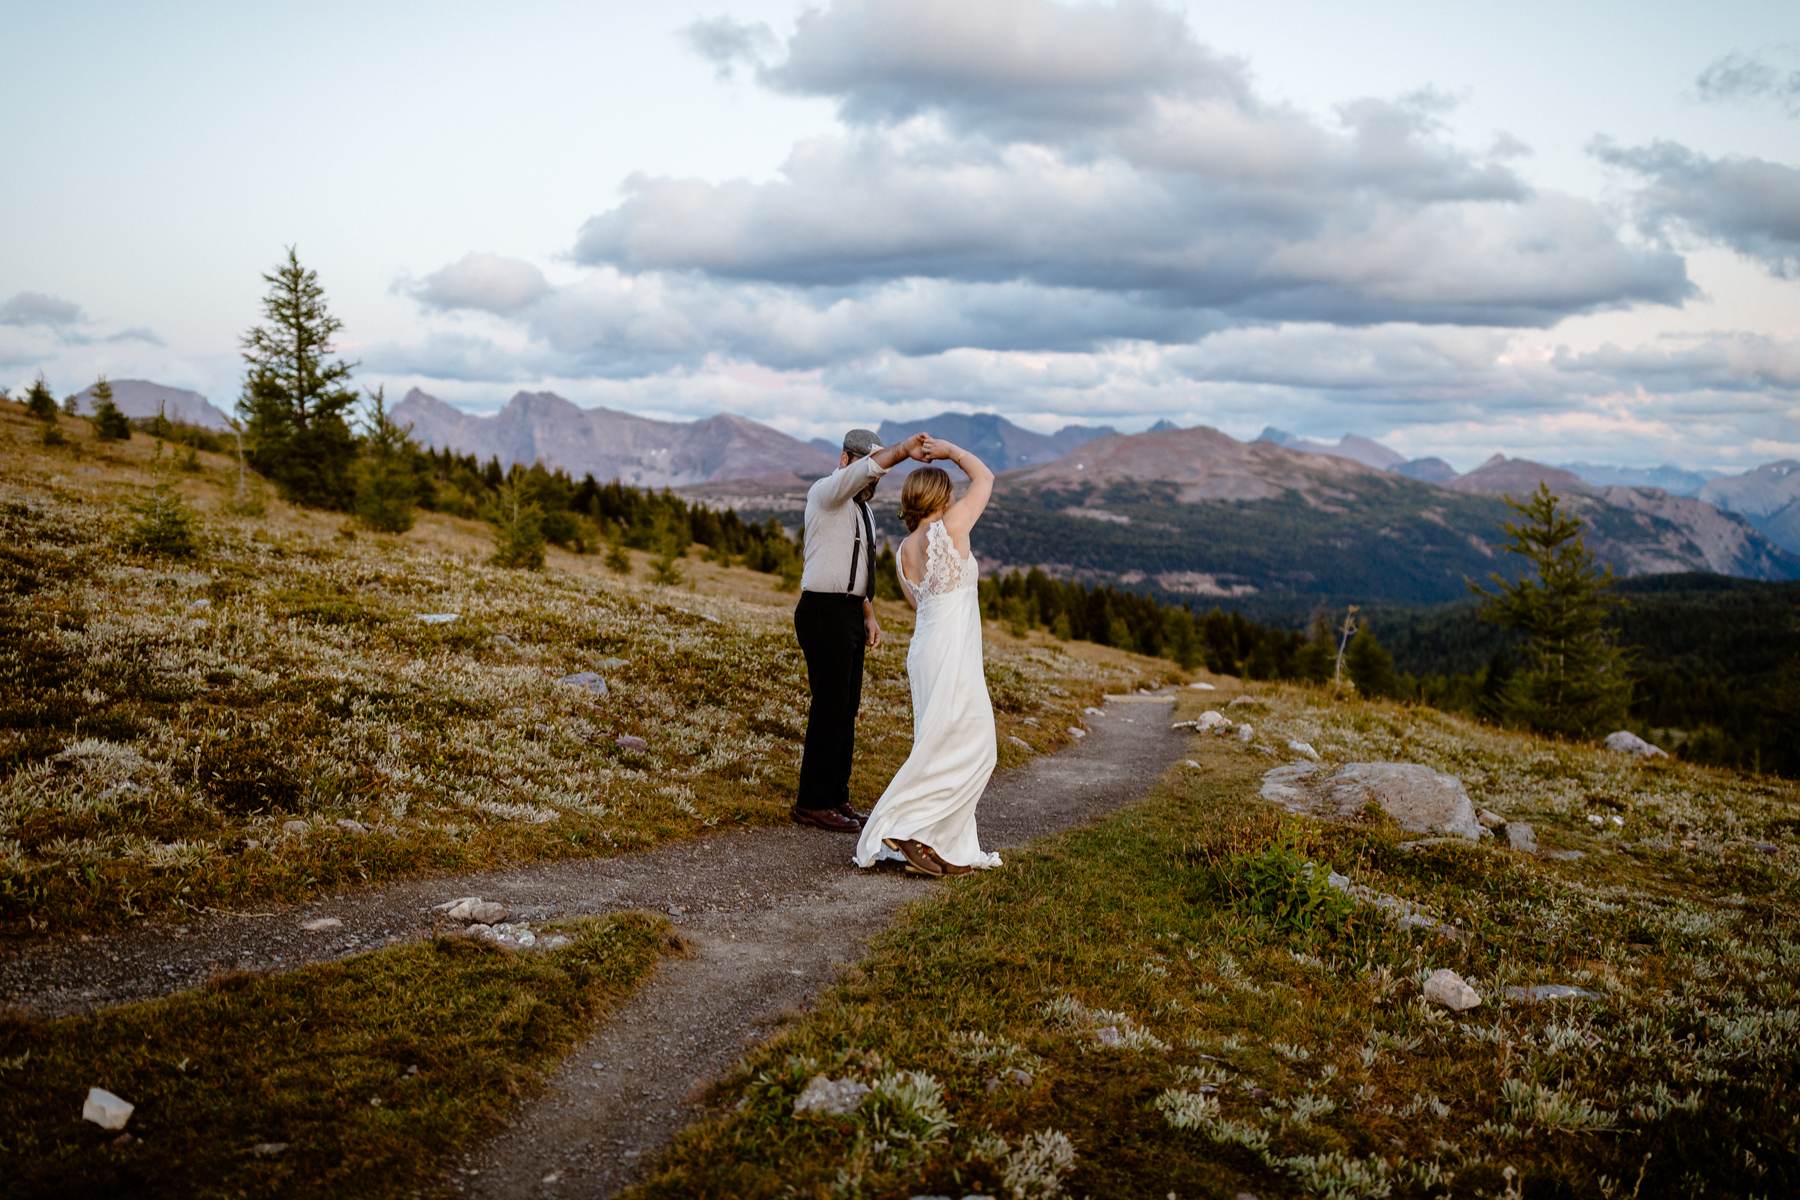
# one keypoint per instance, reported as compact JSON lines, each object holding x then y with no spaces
{"x":932,"y":797}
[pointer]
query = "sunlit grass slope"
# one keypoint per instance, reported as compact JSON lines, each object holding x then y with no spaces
{"x":273,"y":717}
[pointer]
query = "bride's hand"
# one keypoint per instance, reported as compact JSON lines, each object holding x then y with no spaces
{"x":938,"y":448}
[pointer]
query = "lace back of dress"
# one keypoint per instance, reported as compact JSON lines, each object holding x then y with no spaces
{"x":943,"y":565}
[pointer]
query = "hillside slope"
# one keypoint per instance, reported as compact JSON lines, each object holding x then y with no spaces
{"x":275,"y":716}
{"x":1197,"y":512}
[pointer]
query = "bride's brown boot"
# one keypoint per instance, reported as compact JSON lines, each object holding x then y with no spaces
{"x":920,"y":858}
{"x":945,"y":866}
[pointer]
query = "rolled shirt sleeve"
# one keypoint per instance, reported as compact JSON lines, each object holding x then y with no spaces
{"x":837,"y":488}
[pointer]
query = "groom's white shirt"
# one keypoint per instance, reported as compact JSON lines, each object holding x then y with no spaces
{"x":834,"y":529}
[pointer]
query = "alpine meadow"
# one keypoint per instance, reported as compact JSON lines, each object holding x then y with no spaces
{"x":899,"y":600}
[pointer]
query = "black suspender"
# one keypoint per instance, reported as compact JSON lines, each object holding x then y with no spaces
{"x":866,"y":523}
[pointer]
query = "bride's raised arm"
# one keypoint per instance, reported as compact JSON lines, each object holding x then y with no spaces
{"x":961,"y":516}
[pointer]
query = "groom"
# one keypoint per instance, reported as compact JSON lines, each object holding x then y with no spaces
{"x":836,"y":621}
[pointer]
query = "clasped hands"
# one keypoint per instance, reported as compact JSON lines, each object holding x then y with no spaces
{"x":922,"y":447}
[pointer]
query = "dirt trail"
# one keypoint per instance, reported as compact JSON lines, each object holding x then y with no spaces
{"x":748,"y":873}
{"x":772,"y":918}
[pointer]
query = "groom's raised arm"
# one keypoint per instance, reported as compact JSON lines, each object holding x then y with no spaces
{"x":837,"y":488}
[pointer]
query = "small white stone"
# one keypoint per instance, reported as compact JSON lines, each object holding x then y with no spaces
{"x":1596,"y":819}
{"x":834,"y":1097}
{"x":1303,"y":748}
{"x":1190,"y":763}
{"x":1203,"y":687}
{"x":438,"y":618}
{"x":1245,"y":733}
{"x":1211,"y":719}
{"x":1077,"y":731}
{"x":321,"y":924}
{"x":351,"y":826}
{"x":295,"y":828}
{"x":1452,"y":991}
{"x":105,"y":1109}
{"x":1091,"y":711}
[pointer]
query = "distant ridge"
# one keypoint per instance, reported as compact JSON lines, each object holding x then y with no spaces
{"x":141,"y":398}
{"x":998,"y":442}
{"x":1356,"y":448}
{"x":545,"y":427}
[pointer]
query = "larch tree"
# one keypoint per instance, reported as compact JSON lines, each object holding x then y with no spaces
{"x":1573,"y":681}
{"x":296,"y":395}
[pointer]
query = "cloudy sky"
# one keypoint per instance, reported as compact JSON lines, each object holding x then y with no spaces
{"x":1556,"y":230}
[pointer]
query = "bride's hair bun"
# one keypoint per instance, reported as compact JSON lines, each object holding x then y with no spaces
{"x":926,"y":491}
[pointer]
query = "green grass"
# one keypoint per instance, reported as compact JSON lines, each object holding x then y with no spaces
{"x":1185,"y":1019}
{"x":376,"y":1071}
{"x":164,"y":722}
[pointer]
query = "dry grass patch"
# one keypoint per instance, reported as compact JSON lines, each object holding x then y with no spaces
{"x":354,"y":1078}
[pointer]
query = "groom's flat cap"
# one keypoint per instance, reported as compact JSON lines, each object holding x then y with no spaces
{"x":859,"y":442}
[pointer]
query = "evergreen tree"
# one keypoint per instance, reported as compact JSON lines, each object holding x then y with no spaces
{"x":71,"y":406}
{"x":39,"y":402}
{"x":518,"y":529}
{"x":386,"y":491}
{"x":1573,"y":681}
{"x":295,"y":399}
{"x":1370,"y":666}
{"x":110,"y":424}
{"x":618,"y":559}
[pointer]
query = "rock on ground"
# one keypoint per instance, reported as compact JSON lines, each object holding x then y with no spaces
{"x":587,"y":681}
{"x":105,"y":1109}
{"x":1521,"y":837}
{"x":474,"y":910}
{"x":1626,"y":742}
{"x":321,"y":924}
{"x":1304,"y":749}
{"x":1450,"y":990}
{"x":1420,"y":799}
{"x":834,"y":1097}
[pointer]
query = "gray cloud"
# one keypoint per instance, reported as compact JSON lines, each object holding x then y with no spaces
{"x":1103,"y":150}
{"x":36,"y":308}
{"x":1749,"y":204}
{"x":729,"y":44}
{"x":1016,"y":68}
{"x":1738,"y":77}
{"x":1273,"y":241}
{"x":485,"y":282}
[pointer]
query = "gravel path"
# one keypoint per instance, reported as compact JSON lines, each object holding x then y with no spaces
{"x":772,"y":917}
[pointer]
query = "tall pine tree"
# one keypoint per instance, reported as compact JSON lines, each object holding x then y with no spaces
{"x":295,"y":396}
{"x":1573,"y":681}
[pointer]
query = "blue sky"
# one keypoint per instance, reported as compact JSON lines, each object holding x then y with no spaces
{"x":1553,"y":230}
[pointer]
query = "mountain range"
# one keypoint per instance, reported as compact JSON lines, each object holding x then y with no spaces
{"x":608,"y":444}
{"x":141,"y":398}
{"x":1283,"y":519}
{"x":1195,"y":511}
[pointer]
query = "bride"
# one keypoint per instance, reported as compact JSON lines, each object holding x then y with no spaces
{"x":926,"y":818}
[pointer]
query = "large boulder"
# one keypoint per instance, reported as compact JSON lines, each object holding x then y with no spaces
{"x":1626,"y":742}
{"x":1418,"y":798}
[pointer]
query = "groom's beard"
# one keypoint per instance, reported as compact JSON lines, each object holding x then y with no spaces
{"x":867,"y":494}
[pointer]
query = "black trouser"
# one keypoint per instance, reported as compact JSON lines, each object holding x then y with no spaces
{"x":832,"y":637}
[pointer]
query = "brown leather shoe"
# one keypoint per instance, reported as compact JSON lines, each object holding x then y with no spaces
{"x":861,"y":818}
{"x":949,"y":867}
{"x":824,"y":818}
{"x":920,"y":858}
